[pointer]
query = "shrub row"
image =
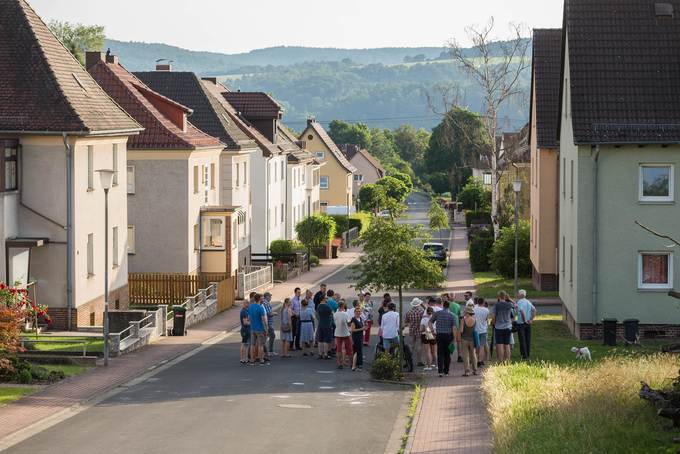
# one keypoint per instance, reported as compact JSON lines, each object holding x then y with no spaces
{"x":477,"y":217}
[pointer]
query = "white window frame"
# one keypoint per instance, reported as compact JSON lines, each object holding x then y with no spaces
{"x":114,"y":154}
{"x":667,"y":286}
{"x":358,"y":177}
{"x":196,"y":177}
{"x":212,"y":175}
{"x":484,"y":178}
{"x":282,"y":213}
{"x":671,"y":184}
{"x":131,"y":240}
{"x":283,"y":170}
{"x":320,"y":154}
{"x":206,"y":220}
{"x":90,"y":167}
{"x":90,"y":255}
{"x":130,"y":179}
{"x":321,"y":179}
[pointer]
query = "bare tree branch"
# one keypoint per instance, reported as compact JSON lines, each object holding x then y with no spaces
{"x":660,"y":235}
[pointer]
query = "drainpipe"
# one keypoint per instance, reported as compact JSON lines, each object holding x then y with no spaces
{"x":69,"y":231}
{"x":595,"y":153}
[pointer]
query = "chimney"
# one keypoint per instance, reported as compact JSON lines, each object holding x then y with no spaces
{"x":210,"y":79}
{"x":311,"y":121}
{"x":163,"y":65}
{"x":111,"y":58}
{"x":92,"y":58}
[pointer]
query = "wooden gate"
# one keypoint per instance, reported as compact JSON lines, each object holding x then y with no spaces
{"x":226,"y":294}
{"x":167,"y":288}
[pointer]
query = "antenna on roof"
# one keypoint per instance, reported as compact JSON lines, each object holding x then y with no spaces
{"x":108,"y":52}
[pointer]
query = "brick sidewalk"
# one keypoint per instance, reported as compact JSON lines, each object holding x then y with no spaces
{"x":67,"y":393}
{"x":452,"y":417}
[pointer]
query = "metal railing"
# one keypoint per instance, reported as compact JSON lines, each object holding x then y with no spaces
{"x":76,"y":341}
{"x":253,"y":278}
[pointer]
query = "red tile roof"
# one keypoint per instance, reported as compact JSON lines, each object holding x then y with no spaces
{"x":326,"y":139}
{"x":350,"y":151}
{"x":43,"y":87}
{"x":254,"y":105}
{"x":160,"y":116}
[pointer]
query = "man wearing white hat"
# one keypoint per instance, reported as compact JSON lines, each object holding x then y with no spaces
{"x":413,"y":317}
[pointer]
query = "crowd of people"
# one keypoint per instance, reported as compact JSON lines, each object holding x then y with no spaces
{"x":324,"y":325}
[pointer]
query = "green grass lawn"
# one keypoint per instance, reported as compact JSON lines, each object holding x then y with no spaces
{"x":94,"y":345}
{"x":489,"y":284}
{"x":70,"y":370}
{"x":556,"y":404}
{"x":9,"y":394}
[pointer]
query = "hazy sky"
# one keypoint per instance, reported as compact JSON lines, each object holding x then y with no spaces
{"x":232,"y":26}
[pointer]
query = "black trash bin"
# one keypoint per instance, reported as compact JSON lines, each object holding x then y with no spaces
{"x":334,"y":252}
{"x":179,"y":320}
{"x":609,"y":325}
{"x":631,"y":330}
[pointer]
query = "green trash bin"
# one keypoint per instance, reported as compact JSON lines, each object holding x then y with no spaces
{"x":179,"y":320}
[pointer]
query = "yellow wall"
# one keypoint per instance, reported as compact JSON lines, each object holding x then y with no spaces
{"x":339,"y":192}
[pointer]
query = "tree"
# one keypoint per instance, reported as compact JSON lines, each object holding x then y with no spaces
{"x":475,"y":196}
{"x":404,"y":178}
{"x":391,"y":261}
{"x":438,"y":218}
{"x":79,"y":38}
{"x":496,"y":67}
{"x":315,"y":231}
{"x":411,"y":145}
{"x":372,"y":197}
{"x":357,"y":134}
{"x":456,"y":145}
{"x":394,"y":188}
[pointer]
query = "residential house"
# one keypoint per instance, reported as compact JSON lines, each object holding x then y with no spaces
{"x":302,"y":190}
{"x":57,"y":128}
{"x":545,"y":86}
{"x":619,"y":139}
{"x":336,"y":179}
{"x":214,"y":116}
{"x":369,"y":169}
{"x":173,"y":173}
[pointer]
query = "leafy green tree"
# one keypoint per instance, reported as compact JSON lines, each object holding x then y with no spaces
{"x":394,"y":188}
{"x":502,"y":257}
{"x":79,"y":38}
{"x":355,"y":133}
{"x":411,"y":145}
{"x":438,"y":218}
{"x":391,"y":261}
{"x":372,"y":197}
{"x":405,"y":178}
{"x":456,"y":144}
{"x":315,"y":231}
{"x":475,"y":196}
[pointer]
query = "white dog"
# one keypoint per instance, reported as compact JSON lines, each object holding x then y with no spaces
{"x":582,"y":353}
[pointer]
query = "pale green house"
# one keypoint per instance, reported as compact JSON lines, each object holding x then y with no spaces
{"x":619,"y":140}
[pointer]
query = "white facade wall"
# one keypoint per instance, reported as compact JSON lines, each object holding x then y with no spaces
{"x":236,"y":191}
{"x":313,"y":172}
{"x":297,"y":198}
{"x":268,"y":176}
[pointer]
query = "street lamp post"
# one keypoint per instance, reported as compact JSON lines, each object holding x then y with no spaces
{"x":106,"y":178}
{"x":516,"y":187}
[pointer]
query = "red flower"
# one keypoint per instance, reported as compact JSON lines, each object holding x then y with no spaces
{"x":2,"y":286}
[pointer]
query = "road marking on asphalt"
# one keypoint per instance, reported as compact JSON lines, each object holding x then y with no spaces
{"x":325,"y":371}
{"x":326,"y":387}
{"x":295,"y":406}
{"x":280,"y":397}
{"x":354,"y":395}
{"x":298,"y":384}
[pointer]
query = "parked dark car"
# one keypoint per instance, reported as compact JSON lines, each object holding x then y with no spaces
{"x":437,"y":252}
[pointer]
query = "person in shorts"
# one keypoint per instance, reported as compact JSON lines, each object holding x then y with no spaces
{"x":258,"y":329}
{"x":245,"y":332}
{"x":502,"y":315}
{"x":389,"y":326}
{"x":343,"y":344}
{"x":482,"y":328}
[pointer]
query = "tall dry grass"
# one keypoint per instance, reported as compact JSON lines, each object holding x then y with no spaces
{"x":550,"y":408}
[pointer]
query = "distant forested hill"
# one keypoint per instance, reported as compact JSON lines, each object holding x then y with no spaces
{"x":383,"y":87}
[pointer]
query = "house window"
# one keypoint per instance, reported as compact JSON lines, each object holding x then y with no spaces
{"x":571,"y":263}
{"x":656,"y":183}
{"x":213,"y":233}
{"x":323,"y":181}
{"x":90,"y":168}
{"x":302,"y":176}
{"x":90,"y":255}
{"x":11,"y":156}
{"x":323,"y":204}
{"x":655,"y":270}
{"x":320,"y":154}
{"x":131,"y":239}
{"x":115,"y":164}
{"x":571,"y":181}
{"x":234,"y":234}
{"x":564,"y":178}
{"x":316,"y":177}
{"x":269,"y":219}
{"x":310,"y":137}
{"x":130,"y":179}
{"x":245,"y":173}
{"x":283,"y":172}
{"x":282,"y":212}
{"x":197,"y":238}
{"x":358,"y":178}
{"x":114,"y":246}
{"x":212,"y":175}
{"x":238,"y":175}
{"x":276,"y":216}
{"x":487,"y":178}
{"x":564,"y":254}
{"x":196,"y":177}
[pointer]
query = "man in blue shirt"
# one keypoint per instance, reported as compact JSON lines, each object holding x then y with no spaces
{"x":331,"y":300}
{"x":526,"y":312}
{"x":258,"y":324}
{"x":271,"y":333}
